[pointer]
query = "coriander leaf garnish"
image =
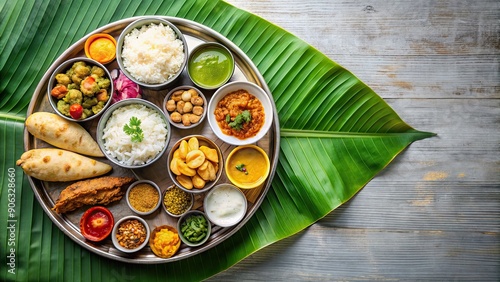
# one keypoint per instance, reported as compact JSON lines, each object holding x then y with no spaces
{"x":238,"y":121}
{"x":134,"y":130}
{"x":242,"y":168}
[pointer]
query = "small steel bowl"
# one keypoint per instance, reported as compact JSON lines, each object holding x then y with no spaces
{"x":168,"y":113}
{"x":107,"y":115}
{"x":202,"y":141}
{"x":115,"y":231}
{"x":186,"y":216}
{"x":207,"y":51}
{"x":154,"y":185}
{"x":137,"y":25}
{"x":191,"y":197}
{"x":62,"y":68}
{"x":222,"y":191}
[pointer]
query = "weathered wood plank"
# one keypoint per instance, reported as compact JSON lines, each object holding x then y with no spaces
{"x":434,"y":212}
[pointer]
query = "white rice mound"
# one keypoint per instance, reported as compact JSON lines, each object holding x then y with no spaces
{"x":120,"y":146}
{"x":153,"y":53}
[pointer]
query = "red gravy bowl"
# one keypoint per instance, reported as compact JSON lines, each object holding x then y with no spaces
{"x":96,"y":223}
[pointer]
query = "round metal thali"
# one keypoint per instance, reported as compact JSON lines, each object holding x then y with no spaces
{"x":47,"y":192}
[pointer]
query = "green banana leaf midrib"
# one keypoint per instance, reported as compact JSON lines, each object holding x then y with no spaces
{"x":288,"y":132}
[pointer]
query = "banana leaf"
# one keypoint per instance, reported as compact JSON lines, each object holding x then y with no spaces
{"x":336,"y":135}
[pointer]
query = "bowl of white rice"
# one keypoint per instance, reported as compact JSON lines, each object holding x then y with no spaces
{"x":133,"y":133}
{"x":152,"y":52}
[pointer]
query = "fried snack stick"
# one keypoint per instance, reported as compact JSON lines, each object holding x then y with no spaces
{"x":96,"y":191}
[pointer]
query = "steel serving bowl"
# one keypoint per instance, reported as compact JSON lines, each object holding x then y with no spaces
{"x":157,"y":189}
{"x":184,"y":218}
{"x":100,"y":135}
{"x":114,"y":239}
{"x":62,"y":68}
{"x":169,"y":113}
{"x":203,"y":141}
{"x":138,"y":24}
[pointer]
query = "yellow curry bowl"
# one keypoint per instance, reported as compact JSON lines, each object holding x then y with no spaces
{"x":101,"y":47}
{"x":247,"y":166}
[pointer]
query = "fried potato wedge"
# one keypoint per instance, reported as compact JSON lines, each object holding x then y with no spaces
{"x":185,"y":169}
{"x":210,"y":153}
{"x":185,"y":181}
{"x":183,"y":149}
{"x":198,"y":182}
{"x":193,"y":144}
{"x":195,"y":158}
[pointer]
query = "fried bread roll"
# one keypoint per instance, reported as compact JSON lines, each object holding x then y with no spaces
{"x":60,"y":165}
{"x":62,"y":133}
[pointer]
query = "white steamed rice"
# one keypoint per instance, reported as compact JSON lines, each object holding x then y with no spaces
{"x":153,"y":53}
{"x":119,"y":145}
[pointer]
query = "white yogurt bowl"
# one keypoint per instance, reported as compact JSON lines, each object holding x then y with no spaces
{"x":225,"y":205}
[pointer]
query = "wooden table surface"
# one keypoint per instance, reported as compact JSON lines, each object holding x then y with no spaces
{"x":434,"y":212}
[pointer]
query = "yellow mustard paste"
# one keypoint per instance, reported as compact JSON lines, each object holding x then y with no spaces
{"x":102,"y":50}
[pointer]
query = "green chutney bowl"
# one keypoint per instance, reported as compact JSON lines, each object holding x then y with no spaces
{"x":210,"y":65}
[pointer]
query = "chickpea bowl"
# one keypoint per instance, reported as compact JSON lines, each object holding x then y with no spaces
{"x":152,"y":52}
{"x":195,"y":163}
{"x":143,"y":197}
{"x":80,"y":89}
{"x":185,"y":107}
{"x":240,"y":113}
{"x":176,"y":202}
{"x":130,"y":234}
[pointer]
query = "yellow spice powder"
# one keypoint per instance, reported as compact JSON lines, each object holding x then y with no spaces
{"x":143,"y":197}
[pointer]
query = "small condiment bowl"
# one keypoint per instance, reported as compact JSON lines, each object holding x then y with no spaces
{"x":218,"y":203}
{"x":190,"y":197}
{"x":215,"y":73}
{"x":135,"y":185}
{"x":251,"y":88}
{"x":157,"y":250}
{"x":115,"y":232}
{"x":174,"y":92}
{"x":181,"y":233}
{"x":247,"y":166}
{"x":96,"y":223}
{"x":138,"y":24}
{"x":101,"y":47}
{"x":65,"y":66}
{"x":203,"y":141}
{"x":107,"y":115}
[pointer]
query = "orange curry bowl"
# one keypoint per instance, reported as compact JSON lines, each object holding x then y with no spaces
{"x":101,"y":47}
{"x":247,"y":166}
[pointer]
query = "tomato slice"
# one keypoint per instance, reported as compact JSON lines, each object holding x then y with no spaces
{"x":76,"y":111}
